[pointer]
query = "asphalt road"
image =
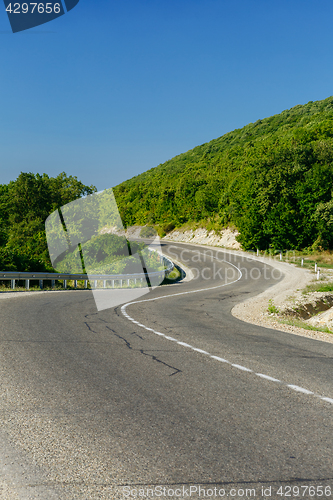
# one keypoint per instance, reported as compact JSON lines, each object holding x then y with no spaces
{"x":93,"y":405}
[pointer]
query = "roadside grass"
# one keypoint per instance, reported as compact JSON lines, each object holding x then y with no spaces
{"x":303,"y":324}
{"x":296,"y":321}
{"x":173,"y":277}
{"x":323,"y":259}
{"x":317,"y":287}
{"x":272,"y":309}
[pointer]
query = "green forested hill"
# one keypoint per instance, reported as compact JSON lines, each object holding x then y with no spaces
{"x":24,"y":206}
{"x":272,"y":179}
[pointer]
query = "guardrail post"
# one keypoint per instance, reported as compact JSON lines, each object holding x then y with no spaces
{"x":302,"y":262}
{"x":315,"y":267}
{"x":117,"y":281}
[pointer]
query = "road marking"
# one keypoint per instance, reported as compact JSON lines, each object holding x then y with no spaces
{"x":262,"y":375}
{"x":220,"y":359}
{"x":329,"y":400}
{"x":185,"y":345}
{"x":200,"y":350}
{"x":240,"y":367}
{"x":299,"y":389}
{"x":217,"y":358}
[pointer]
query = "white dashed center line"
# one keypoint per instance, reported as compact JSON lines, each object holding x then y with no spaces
{"x":201,"y":351}
{"x":267,"y":377}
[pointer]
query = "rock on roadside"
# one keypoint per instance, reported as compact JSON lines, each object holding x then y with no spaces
{"x":226,"y":238}
{"x":323,"y":319}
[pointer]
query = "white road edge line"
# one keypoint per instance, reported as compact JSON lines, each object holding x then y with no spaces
{"x":217,"y":358}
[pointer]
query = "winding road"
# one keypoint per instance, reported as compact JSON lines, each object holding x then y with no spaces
{"x":167,"y":394}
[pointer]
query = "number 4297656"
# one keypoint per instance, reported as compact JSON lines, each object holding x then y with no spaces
{"x":30,"y":8}
{"x":301,"y":491}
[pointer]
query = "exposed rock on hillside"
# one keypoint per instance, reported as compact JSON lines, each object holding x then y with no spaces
{"x":226,"y":238}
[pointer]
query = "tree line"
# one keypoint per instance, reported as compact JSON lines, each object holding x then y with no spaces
{"x":25,"y":204}
{"x":272,"y":180}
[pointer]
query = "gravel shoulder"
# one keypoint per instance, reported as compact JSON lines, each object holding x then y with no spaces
{"x":284,"y":294}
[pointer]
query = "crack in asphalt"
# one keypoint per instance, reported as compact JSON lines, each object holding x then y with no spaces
{"x":137,"y":335}
{"x":154,"y":358}
{"x":89,"y":328}
{"x":129,"y":346}
{"x":98,"y":318}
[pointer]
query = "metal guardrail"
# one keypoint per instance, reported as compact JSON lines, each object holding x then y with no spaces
{"x":13,"y":277}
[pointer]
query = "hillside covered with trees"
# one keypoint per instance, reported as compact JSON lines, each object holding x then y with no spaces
{"x":24,"y":206}
{"x":272,"y":180}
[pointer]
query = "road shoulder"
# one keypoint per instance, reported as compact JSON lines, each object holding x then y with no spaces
{"x":254,"y":310}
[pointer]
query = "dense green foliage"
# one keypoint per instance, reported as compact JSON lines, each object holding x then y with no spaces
{"x":148,"y":232}
{"x":109,"y":254}
{"x":272,"y":180}
{"x":24,"y":206}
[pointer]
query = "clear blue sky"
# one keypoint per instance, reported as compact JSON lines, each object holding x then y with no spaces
{"x":112,"y":89}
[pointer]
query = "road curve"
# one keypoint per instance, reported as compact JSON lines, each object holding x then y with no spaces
{"x":169,"y":392}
